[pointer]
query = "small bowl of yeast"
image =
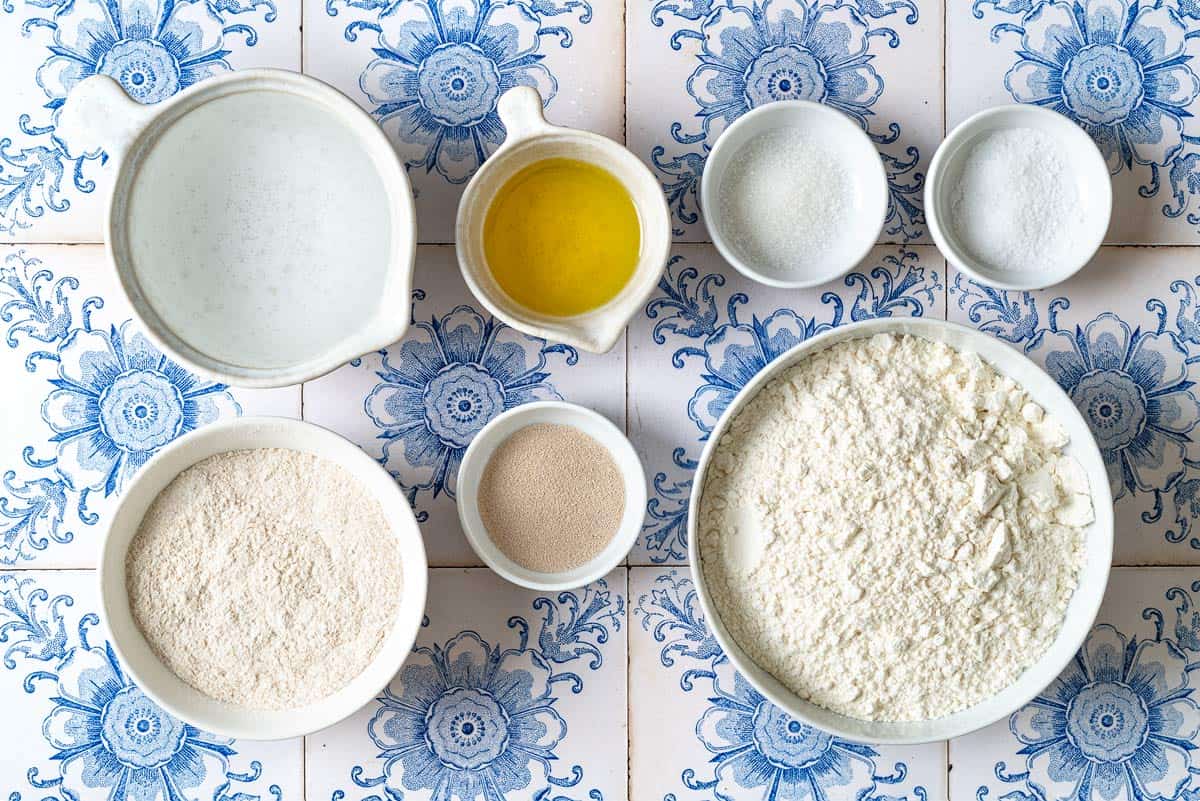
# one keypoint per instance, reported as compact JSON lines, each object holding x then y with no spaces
{"x":551,"y":495}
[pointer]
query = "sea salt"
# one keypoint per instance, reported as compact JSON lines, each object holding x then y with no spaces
{"x":784,"y":200}
{"x":1016,"y":207}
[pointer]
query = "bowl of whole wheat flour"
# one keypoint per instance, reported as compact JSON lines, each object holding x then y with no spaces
{"x":900,"y":532}
{"x":262,"y":578}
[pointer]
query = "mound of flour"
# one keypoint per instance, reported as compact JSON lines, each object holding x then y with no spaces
{"x":890,"y":529}
{"x":266,"y":578}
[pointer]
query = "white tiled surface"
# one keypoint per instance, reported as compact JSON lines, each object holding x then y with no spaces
{"x":633,"y":721}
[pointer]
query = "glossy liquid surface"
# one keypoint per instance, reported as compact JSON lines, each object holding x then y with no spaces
{"x":260,"y":230}
{"x":562,"y":237}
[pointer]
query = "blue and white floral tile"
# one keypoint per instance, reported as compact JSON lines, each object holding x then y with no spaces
{"x":76,"y":728}
{"x":1125,"y":70}
{"x":1121,"y":722}
{"x":698,"y":731}
{"x":1122,"y":338}
{"x":154,"y":48}
{"x":417,"y":405}
{"x":86,"y":399}
{"x":694,"y":66}
{"x":509,"y":694}
{"x":431,"y":71}
{"x":707,"y":330}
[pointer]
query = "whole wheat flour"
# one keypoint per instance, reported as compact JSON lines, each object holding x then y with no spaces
{"x":890,"y":529}
{"x":266,"y":578}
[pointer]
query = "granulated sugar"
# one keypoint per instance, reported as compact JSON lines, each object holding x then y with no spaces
{"x":551,"y":497}
{"x":785,"y":196}
{"x":1016,"y":206}
{"x":891,"y":529}
{"x":266,"y":578}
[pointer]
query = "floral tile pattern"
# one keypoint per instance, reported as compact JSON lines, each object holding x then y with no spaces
{"x":154,"y":48}
{"x":711,"y":330}
{"x":697,"y":65}
{"x":1120,"y":722}
{"x":77,"y":728}
{"x":88,"y":400}
{"x":431,"y":71}
{"x":527,"y":701}
{"x":1121,"y":339}
{"x":417,"y":405}
{"x":1125,"y":70}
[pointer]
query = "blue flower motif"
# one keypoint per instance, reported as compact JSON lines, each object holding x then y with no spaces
{"x":152,"y":49}
{"x":734,"y":353}
{"x":114,"y":742}
{"x":469,"y":721}
{"x":783,"y":51}
{"x":1117,"y":723}
{"x":450,"y":377}
{"x":671,"y":612}
{"x":760,"y":749}
{"x":1117,"y":67}
{"x":440,"y":69}
{"x":116,"y":401}
{"x":1134,"y":389}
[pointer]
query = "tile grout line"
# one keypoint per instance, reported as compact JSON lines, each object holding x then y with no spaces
{"x":628,"y":680}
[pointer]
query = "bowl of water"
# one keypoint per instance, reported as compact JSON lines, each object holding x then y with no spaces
{"x":260,"y":224}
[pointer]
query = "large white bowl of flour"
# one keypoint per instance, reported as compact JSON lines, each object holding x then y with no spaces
{"x":257,"y":620}
{"x":873,"y":650}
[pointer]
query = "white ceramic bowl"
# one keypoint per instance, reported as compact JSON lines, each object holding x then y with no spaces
{"x":99,"y":115}
{"x":164,"y":686}
{"x":1084,"y":604}
{"x":530,"y":139}
{"x":1093,"y":185}
{"x":863,"y":167}
{"x":479,"y":453}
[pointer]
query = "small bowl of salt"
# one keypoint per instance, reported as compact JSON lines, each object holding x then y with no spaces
{"x":794,"y":194}
{"x":1018,"y":197}
{"x":551,"y":495}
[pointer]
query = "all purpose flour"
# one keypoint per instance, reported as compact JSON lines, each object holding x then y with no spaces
{"x":891,"y":530}
{"x":266,"y":578}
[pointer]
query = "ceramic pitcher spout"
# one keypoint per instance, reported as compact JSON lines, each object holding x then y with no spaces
{"x":99,"y":117}
{"x":594,"y":338}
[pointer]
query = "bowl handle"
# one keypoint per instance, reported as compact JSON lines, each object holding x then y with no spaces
{"x":520,"y":110}
{"x":99,"y":117}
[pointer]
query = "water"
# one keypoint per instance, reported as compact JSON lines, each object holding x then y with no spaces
{"x":259,"y":230}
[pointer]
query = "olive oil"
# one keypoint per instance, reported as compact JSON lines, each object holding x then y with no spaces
{"x":562,"y":237}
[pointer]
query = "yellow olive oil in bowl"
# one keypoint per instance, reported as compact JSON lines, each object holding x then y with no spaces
{"x":562,"y":237}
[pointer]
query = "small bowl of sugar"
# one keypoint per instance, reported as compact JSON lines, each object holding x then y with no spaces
{"x":794,"y":194}
{"x":551,"y":495}
{"x":1018,"y":197}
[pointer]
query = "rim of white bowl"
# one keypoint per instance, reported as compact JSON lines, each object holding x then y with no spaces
{"x":590,"y":422}
{"x":169,"y":691}
{"x":1081,"y":610}
{"x":719,"y":157}
{"x":1071,"y":135}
